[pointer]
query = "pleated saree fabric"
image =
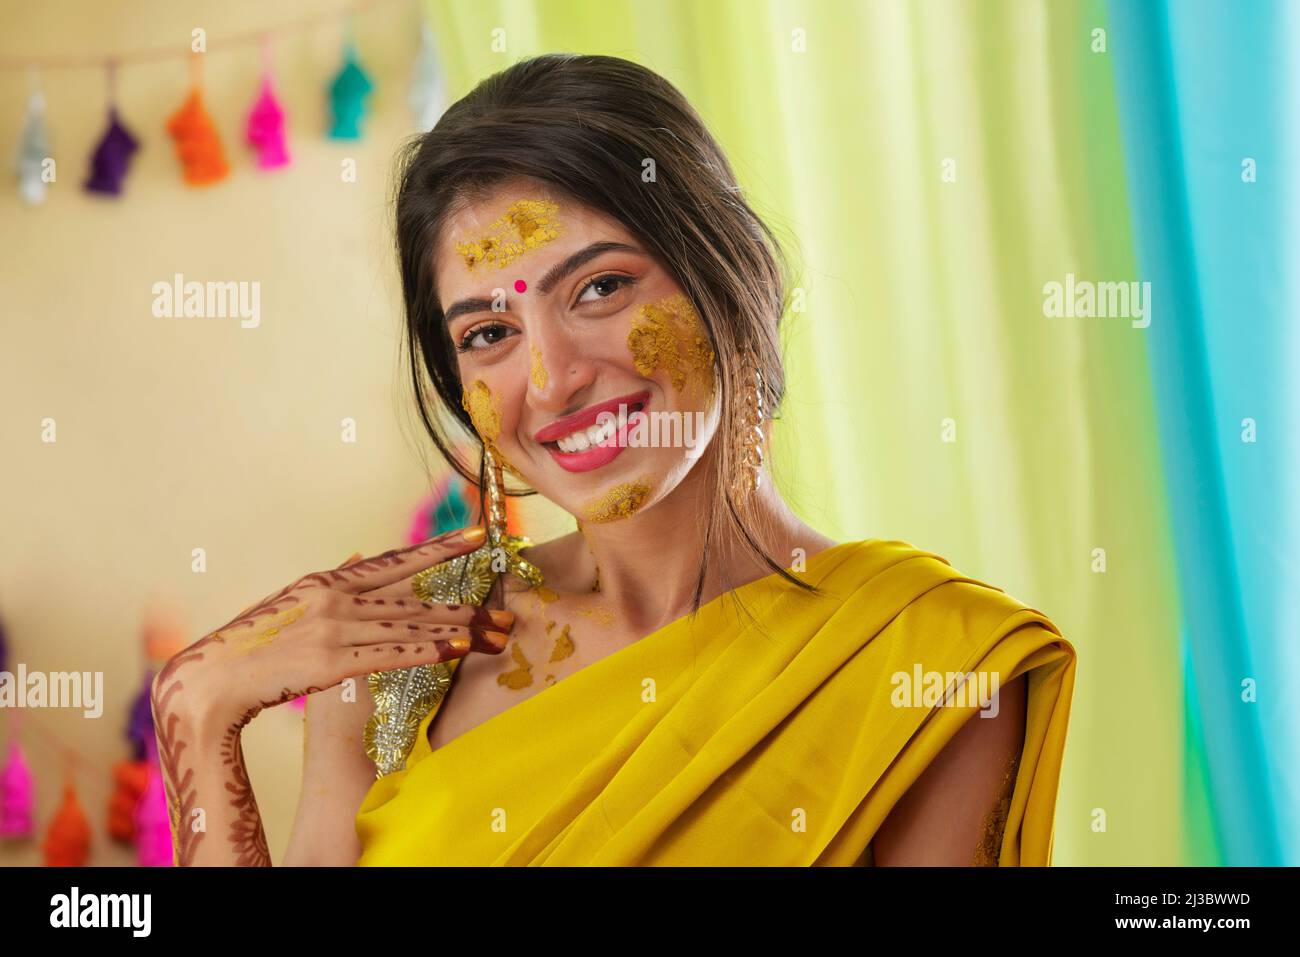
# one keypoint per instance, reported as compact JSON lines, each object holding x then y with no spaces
{"x":773,"y":738}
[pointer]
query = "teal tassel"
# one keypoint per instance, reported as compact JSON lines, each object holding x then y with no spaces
{"x":348,"y":97}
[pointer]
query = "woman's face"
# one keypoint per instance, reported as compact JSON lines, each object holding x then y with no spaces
{"x":564,"y":326}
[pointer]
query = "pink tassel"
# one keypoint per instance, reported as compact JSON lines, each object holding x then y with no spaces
{"x":153,"y":831}
{"x":153,"y":835}
{"x":266,"y":129}
{"x":16,"y":796}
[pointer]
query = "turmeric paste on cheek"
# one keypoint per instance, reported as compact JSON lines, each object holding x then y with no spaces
{"x":669,"y":336}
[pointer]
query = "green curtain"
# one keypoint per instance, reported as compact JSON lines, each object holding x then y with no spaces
{"x":931,"y":166}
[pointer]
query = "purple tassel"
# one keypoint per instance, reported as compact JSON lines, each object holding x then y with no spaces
{"x":140,"y":730}
{"x":112,"y":156}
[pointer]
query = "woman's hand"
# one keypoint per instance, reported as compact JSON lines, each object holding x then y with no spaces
{"x":326,"y":627}
{"x":308,"y":636}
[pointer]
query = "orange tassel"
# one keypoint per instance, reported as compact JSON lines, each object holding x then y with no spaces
{"x":197,"y":144}
{"x":164,"y":634}
{"x":67,"y":842}
{"x":129,"y":778}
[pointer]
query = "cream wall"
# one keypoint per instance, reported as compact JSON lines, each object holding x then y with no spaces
{"x":175,"y":434}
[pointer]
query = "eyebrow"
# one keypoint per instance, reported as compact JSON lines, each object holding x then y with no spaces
{"x":578,"y":260}
{"x":552,"y":278}
{"x":466,"y":305}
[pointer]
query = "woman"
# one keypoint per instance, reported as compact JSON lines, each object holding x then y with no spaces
{"x":693,"y":676}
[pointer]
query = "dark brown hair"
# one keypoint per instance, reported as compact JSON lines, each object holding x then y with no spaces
{"x":620,"y":139}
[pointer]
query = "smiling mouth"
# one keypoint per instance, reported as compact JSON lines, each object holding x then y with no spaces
{"x":583,"y":429}
{"x":594,"y":436}
{"x":582,"y":439}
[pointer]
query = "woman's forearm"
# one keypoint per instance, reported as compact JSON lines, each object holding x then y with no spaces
{"x":305,"y":637}
{"x":210,"y":800}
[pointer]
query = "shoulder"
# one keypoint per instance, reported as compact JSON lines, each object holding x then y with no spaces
{"x":955,"y":812}
{"x":919,"y":598}
{"x":934,"y":580}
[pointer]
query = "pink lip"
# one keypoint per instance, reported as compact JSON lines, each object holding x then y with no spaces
{"x":586,"y":418}
{"x":597,"y":455}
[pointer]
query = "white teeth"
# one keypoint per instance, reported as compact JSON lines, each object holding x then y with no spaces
{"x":584,"y":439}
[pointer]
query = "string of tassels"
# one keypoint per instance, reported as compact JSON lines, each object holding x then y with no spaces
{"x":201,"y":155}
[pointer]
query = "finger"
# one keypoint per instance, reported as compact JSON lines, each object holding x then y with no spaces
{"x":366,"y":608}
{"x":399,"y":563}
{"x":361,"y":661}
{"x":350,"y":559}
{"x":373,"y":634}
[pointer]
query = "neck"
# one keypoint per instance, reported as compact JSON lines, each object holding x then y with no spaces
{"x":649,"y":563}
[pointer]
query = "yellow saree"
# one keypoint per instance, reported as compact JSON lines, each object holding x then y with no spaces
{"x":715,"y":742}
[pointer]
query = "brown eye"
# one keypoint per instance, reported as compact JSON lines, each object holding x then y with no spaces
{"x":604,"y":287}
{"x":483,"y":337}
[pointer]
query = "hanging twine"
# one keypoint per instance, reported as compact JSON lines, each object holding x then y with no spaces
{"x":155,"y":54}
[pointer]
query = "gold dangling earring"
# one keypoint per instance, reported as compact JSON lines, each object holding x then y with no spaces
{"x":497,"y":536}
{"x":496,"y":498}
{"x":749,"y":438}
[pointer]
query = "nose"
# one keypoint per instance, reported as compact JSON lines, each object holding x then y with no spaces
{"x":559,"y":371}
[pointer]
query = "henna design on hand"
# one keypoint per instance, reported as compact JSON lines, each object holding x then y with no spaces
{"x":247,"y":836}
{"x":178,"y":772}
{"x":179,"y":785}
{"x":270,"y":605}
{"x":393,"y":558}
